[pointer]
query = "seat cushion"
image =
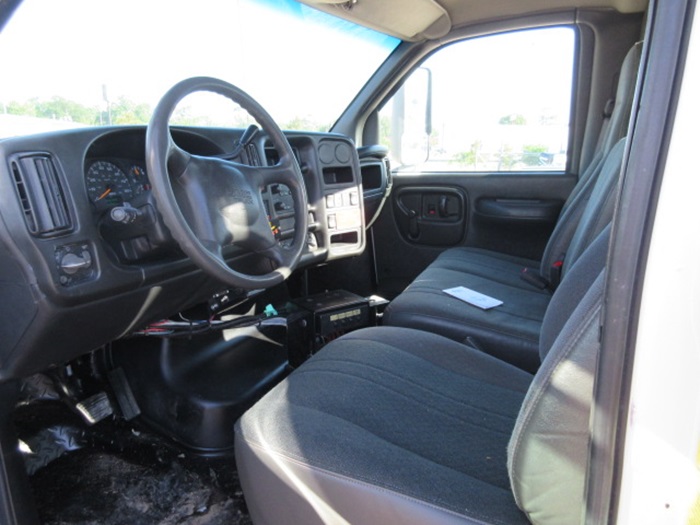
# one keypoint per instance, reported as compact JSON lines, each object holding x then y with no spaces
{"x":485,"y":263}
{"x":385,"y":425}
{"x":509,"y":332}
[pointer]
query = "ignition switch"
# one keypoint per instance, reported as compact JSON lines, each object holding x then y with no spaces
{"x":125,"y":214}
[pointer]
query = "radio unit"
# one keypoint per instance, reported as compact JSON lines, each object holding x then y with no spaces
{"x":335,"y":313}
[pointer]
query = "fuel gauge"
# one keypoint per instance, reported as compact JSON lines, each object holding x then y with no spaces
{"x":139,"y":179}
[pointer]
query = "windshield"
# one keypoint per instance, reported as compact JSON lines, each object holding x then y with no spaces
{"x":71,"y":63}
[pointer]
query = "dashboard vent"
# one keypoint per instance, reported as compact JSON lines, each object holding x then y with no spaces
{"x":253,"y":156}
{"x":41,"y":195}
{"x":389,"y":174}
{"x":272,"y":156}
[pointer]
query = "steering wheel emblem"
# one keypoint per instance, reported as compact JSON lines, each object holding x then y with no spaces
{"x":241,"y":195}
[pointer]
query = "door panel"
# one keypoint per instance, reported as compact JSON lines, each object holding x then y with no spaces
{"x":508,"y":213}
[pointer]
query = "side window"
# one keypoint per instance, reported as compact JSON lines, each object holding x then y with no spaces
{"x":488,"y":104}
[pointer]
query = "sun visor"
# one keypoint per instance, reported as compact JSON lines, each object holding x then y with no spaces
{"x":410,"y":20}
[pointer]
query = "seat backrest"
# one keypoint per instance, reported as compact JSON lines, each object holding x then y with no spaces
{"x":548,"y":450}
{"x":568,"y":224}
{"x":600,"y":207}
{"x":593,"y":217}
{"x":624,"y":99}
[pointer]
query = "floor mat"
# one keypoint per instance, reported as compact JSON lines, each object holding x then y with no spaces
{"x":125,"y":474}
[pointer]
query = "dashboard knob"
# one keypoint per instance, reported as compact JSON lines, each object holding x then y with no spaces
{"x":72,"y":263}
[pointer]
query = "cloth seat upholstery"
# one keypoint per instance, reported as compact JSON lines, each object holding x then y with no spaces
{"x":510,"y":331}
{"x":396,"y":425}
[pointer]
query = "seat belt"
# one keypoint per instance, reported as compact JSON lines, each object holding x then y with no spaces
{"x":605,"y":126}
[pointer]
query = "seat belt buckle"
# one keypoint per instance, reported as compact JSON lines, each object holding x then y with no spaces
{"x":535,"y":280}
{"x":555,"y":273}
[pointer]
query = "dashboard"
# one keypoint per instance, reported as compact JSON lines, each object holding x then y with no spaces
{"x":86,"y":258}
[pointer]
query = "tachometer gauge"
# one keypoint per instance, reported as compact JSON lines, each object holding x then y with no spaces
{"x":139,"y":180}
{"x":107,"y":184}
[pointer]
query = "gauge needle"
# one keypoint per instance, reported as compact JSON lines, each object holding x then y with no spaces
{"x":106,"y":192}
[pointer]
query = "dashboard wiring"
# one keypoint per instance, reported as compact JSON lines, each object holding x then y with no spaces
{"x":168,"y":328}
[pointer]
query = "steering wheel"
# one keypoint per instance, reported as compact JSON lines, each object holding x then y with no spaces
{"x":209,"y":203}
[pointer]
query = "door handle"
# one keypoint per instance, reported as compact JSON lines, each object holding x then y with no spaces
{"x":413,"y":224}
{"x":442,"y":206}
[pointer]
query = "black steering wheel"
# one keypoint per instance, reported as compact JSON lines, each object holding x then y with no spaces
{"x":209,"y":203}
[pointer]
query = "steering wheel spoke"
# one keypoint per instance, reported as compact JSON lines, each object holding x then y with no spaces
{"x":281,"y":173}
{"x":281,"y":258}
{"x":177,"y":159}
{"x":209,"y":203}
{"x":215,"y":248}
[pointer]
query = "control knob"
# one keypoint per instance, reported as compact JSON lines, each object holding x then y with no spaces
{"x":72,"y":263}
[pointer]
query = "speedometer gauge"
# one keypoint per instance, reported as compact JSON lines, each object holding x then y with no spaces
{"x":107,"y":184}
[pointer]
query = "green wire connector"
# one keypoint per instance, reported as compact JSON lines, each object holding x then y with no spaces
{"x":270,"y":311}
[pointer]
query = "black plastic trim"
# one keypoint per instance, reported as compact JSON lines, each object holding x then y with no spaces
{"x":514,"y":210}
{"x":16,"y":504}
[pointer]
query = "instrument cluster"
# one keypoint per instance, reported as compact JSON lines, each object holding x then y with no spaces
{"x":113,"y":182}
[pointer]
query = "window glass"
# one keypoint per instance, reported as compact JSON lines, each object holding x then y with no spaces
{"x":62,"y":72}
{"x":496,"y":103}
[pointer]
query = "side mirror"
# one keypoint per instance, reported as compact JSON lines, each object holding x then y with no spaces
{"x":411,"y":124}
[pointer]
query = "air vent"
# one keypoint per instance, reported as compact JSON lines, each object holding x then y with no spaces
{"x":389,"y":174}
{"x":272,"y":156}
{"x":41,"y":195}
{"x":253,"y":156}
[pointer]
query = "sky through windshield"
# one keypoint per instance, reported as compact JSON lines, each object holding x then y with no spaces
{"x":303,"y":66}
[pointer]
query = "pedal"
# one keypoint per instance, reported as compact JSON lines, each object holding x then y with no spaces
{"x":123,"y":393}
{"x":95,"y":408}
{"x":38,"y":387}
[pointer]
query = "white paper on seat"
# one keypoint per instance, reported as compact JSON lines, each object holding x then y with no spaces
{"x":474,"y":298}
